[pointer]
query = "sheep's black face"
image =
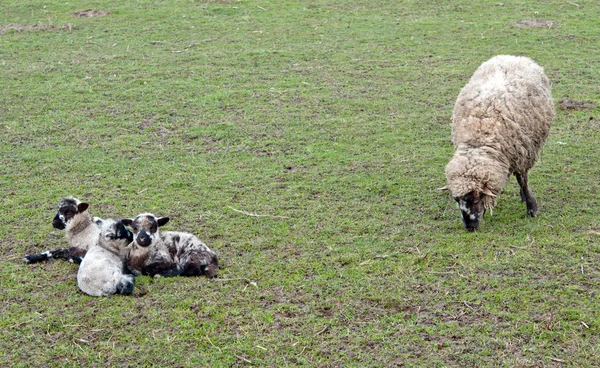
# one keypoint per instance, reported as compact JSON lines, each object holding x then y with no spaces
{"x":471,"y":207}
{"x":67,"y":209}
{"x":123,"y":233}
{"x":116,"y":233}
{"x":145,"y":228}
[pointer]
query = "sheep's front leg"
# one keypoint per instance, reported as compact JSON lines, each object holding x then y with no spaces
{"x":527,"y":195}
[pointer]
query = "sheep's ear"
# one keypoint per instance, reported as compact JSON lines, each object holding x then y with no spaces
{"x":487,"y":191}
{"x":444,"y":188}
{"x":162,"y":220}
{"x":81,"y":207}
{"x":127,"y":222}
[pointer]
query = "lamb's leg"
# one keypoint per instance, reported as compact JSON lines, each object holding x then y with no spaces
{"x":162,"y":269}
{"x":72,"y":254}
{"x":125,"y":286}
{"x":527,"y":195}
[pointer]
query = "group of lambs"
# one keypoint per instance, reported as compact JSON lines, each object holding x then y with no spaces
{"x":500,"y":122}
{"x":110,"y":255}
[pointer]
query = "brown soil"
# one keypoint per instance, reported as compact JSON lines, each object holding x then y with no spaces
{"x":89,"y":13}
{"x":535,"y":23}
{"x":568,"y":104}
{"x":28,"y":27}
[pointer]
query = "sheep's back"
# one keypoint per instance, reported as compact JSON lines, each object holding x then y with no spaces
{"x":507,"y":106}
{"x":99,"y":272}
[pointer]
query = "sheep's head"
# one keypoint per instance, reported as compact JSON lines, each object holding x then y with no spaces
{"x":114,"y":235}
{"x":68,"y":208}
{"x":473,"y":205}
{"x":145,"y":228}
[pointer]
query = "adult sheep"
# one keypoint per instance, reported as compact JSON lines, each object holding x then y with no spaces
{"x":500,"y":122}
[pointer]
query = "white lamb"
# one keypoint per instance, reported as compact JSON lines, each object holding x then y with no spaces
{"x":102,"y":271}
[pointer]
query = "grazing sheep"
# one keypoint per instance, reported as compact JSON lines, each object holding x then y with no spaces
{"x":81,"y":231}
{"x":102,"y":271}
{"x":167,"y":253}
{"x":500,"y":122}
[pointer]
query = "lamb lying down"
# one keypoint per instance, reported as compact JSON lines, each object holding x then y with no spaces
{"x":81,"y":231}
{"x":102,"y":271}
{"x":168,"y":253}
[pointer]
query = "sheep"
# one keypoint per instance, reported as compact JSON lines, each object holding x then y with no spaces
{"x":102,"y":271}
{"x":500,"y":122}
{"x":81,"y":232}
{"x":167,"y":253}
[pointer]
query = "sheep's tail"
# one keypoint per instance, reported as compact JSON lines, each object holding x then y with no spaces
{"x":72,"y":254}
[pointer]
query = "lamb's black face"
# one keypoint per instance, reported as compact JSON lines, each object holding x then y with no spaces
{"x":67,"y":209}
{"x":121,"y":232}
{"x":471,"y":207}
{"x":115,"y":234}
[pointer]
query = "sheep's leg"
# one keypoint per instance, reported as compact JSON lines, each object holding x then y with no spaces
{"x":125,"y":286}
{"x":72,"y":254}
{"x":527,"y":195}
{"x":162,"y":268}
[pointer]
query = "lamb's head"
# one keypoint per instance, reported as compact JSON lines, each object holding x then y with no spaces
{"x":145,"y":228}
{"x":114,"y":236}
{"x":68,"y":208}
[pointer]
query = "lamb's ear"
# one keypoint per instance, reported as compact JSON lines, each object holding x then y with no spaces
{"x":487,"y":191}
{"x":127,"y":222}
{"x":162,"y":220}
{"x":442,"y":189}
{"x":81,"y":207}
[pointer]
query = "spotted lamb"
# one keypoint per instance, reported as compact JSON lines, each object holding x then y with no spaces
{"x":168,"y":253}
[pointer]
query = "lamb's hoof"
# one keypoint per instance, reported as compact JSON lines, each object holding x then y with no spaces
{"x":533,"y":212}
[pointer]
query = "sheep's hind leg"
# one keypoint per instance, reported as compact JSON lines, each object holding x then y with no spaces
{"x":527,"y":195}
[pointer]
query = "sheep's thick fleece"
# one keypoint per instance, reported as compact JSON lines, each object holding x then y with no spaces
{"x":500,"y":122}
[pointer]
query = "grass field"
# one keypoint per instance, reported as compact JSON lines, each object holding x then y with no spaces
{"x":303,"y":141}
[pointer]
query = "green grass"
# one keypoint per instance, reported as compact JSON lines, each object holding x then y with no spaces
{"x":330,"y":119}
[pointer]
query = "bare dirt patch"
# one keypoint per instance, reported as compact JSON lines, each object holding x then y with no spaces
{"x":89,"y":13}
{"x":535,"y":23}
{"x":568,"y":104}
{"x":34,"y":27}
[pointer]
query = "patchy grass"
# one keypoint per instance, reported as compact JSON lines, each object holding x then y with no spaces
{"x":330,"y":120}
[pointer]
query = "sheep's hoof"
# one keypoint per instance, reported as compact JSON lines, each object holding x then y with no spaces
{"x":532,"y":212}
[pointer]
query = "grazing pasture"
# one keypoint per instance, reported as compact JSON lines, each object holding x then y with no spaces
{"x":303,"y":141}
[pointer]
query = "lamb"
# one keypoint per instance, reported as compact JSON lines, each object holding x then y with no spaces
{"x":81,"y":231}
{"x":167,"y":253}
{"x":102,"y":271}
{"x":500,"y":122}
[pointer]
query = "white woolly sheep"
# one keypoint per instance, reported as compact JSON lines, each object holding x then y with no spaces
{"x":500,"y":122}
{"x":102,"y":271}
{"x":81,"y":231}
{"x":168,"y":253}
